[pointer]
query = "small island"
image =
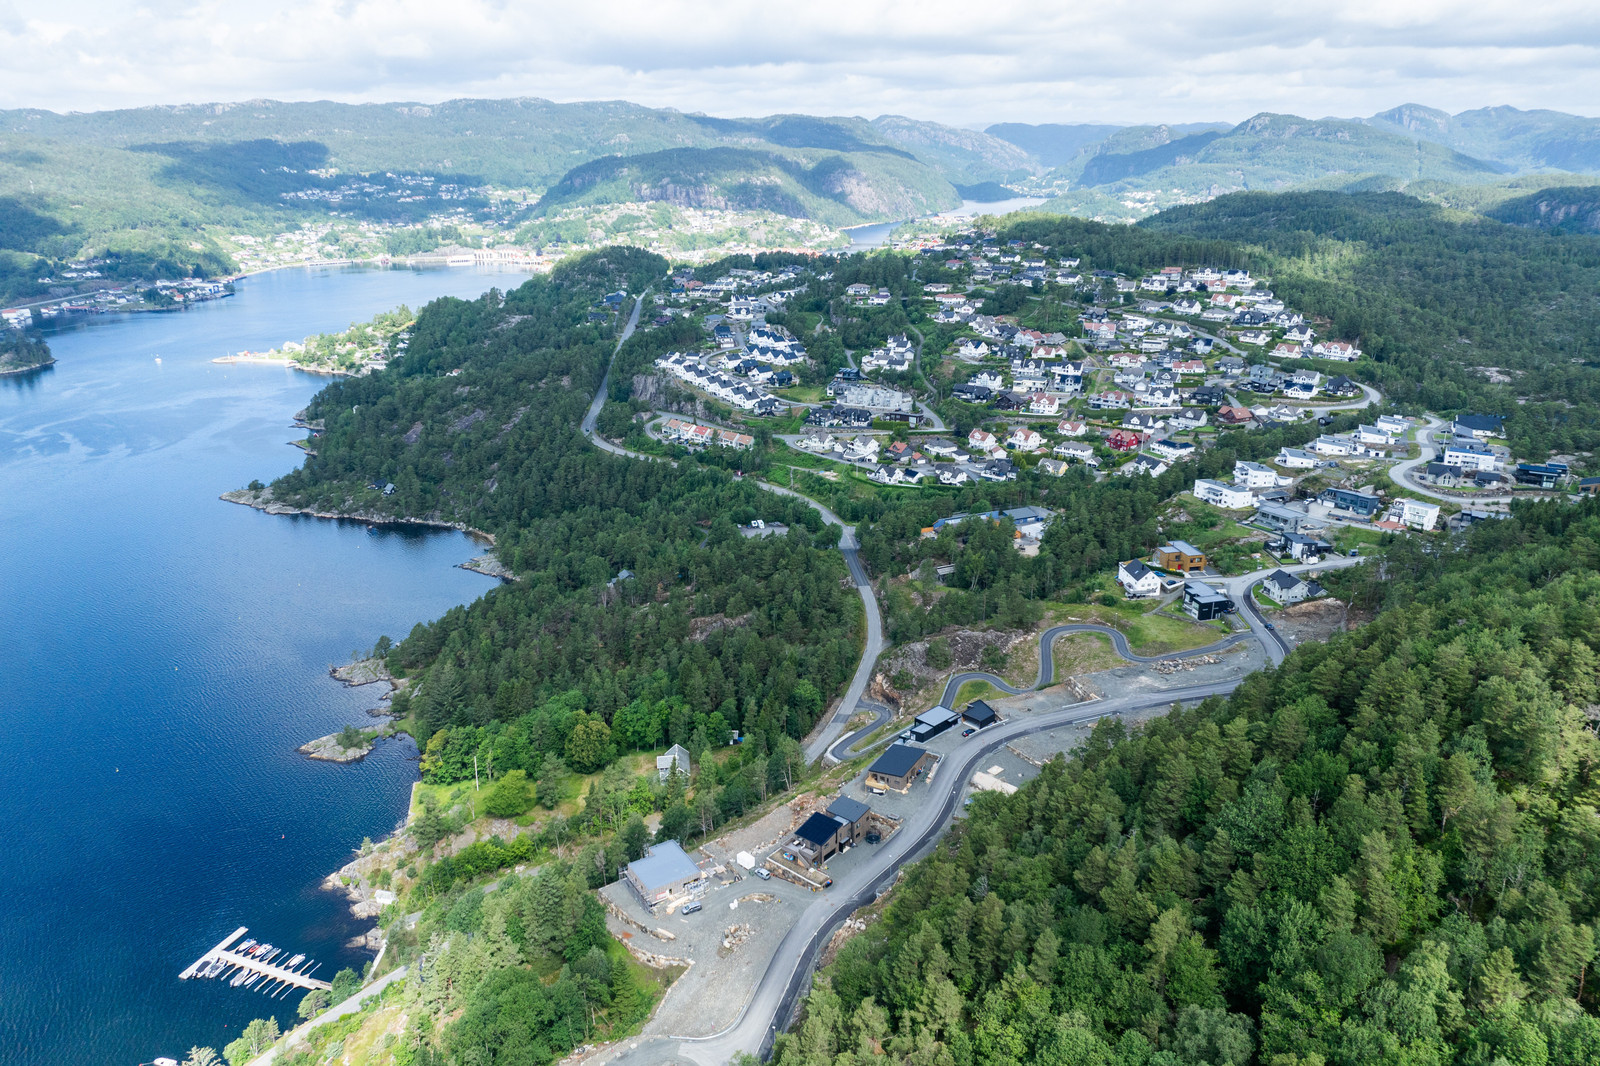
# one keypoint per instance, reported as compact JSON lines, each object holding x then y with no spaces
{"x":361,"y":349}
{"x":20,"y":353}
{"x":347,"y":745}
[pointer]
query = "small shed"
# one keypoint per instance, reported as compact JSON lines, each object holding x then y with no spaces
{"x":899,"y":767}
{"x":665,"y":871}
{"x":980,"y":714}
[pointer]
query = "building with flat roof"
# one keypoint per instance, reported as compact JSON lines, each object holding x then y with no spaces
{"x":1361,"y":503}
{"x":899,"y":767}
{"x":1180,"y":556}
{"x":1204,"y":603}
{"x":1280,"y":518}
{"x":665,"y":871}
{"x":931,"y":723}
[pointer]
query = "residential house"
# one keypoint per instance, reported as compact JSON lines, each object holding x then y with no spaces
{"x":1113,"y":400}
{"x":1082,"y":451}
{"x":1341,"y":386}
{"x":1281,"y":518}
{"x":991,"y":379}
{"x":1360,"y":503}
{"x":1204,"y":603}
{"x":1392,"y":424}
{"x":1296,"y":459}
{"x":1256,"y":476}
{"x":1371,"y":435}
{"x":898,"y":768}
{"x":1175,"y":450}
{"x":1143,"y":422}
{"x":1180,"y":556}
{"x":1342,"y":351}
{"x":1042,"y":403}
{"x":1234,"y":416}
{"x":1209,"y":396}
{"x":952,"y":475}
{"x":1541,"y":475}
{"x":1285,"y":588}
{"x":982,"y":440}
{"x":1299,"y":547}
{"x":1480,"y":427}
{"x":1443,"y":475}
{"x":970,"y":393}
{"x":665,"y":872}
{"x":1326,"y":445}
{"x":1470,"y":457}
{"x":1053,"y":467}
{"x":674,"y":760}
{"x":1417,"y":514}
{"x":1144,"y":464}
{"x":1186,"y":420}
{"x":1070,"y":428}
{"x":1123,"y":440}
{"x":1025,"y":439}
{"x":1221,"y":494}
{"x":1138,"y":581}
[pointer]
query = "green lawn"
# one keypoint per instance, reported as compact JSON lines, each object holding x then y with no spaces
{"x":976,"y":690}
{"x":802,"y":394}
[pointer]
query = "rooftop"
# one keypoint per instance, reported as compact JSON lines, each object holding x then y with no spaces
{"x":897,"y":761}
{"x":819,"y":829}
{"x":663,"y":864}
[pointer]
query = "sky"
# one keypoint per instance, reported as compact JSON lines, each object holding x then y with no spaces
{"x":960,"y":63}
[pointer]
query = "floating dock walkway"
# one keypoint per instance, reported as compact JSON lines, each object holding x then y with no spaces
{"x":252,"y":970}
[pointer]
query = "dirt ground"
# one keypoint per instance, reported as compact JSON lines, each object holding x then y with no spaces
{"x":1316,"y":620}
{"x":1084,"y":653}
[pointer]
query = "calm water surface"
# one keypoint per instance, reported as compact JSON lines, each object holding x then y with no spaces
{"x":162,"y":653}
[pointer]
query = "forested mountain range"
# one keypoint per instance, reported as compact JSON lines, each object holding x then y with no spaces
{"x":153,"y":190}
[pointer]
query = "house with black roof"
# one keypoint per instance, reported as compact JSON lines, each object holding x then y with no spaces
{"x":980,"y":714}
{"x":899,"y":767}
{"x":931,"y":723}
{"x":1478,"y":427}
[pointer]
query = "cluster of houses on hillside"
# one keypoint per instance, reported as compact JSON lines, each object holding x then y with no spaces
{"x":694,"y":435}
{"x":692,"y":370}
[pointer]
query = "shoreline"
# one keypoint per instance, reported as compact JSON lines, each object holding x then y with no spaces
{"x":263,"y":501}
{"x":28,"y":369}
{"x":287,"y":364}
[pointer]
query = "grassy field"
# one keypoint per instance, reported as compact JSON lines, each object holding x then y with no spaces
{"x":1084,"y":653}
{"x":802,"y":394}
{"x":976,"y":690}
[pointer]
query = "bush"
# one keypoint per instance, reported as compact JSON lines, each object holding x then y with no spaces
{"x":509,"y":796}
{"x":938,"y":654}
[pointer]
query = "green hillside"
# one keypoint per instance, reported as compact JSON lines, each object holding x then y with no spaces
{"x":1517,"y":140}
{"x":837,"y":188}
{"x":964,"y":157}
{"x":1564,"y":209}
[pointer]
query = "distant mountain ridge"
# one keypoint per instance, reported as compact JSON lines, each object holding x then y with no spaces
{"x":1517,"y":140}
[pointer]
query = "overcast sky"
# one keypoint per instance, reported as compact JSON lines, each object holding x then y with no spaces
{"x":963,"y":63}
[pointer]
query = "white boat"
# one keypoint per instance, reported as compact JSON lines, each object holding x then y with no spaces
{"x":296,"y":961}
{"x":240,"y":978}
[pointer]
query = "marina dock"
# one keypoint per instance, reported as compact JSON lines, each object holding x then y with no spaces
{"x":261,"y":971}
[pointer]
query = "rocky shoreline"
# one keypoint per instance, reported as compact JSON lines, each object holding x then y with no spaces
{"x":489,"y":565}
{"x":7,"y":371}
{"x":262,"y":501}
{"x":331,"y":748}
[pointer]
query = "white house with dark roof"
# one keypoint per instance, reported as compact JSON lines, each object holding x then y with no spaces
{"x":1138,"y":580}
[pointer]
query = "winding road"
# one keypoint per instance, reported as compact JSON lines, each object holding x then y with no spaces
{"x":825,"y":736}
{"x":787,"y":977}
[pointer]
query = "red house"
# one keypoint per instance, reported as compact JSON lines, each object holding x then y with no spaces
{"x":1124,"y":442}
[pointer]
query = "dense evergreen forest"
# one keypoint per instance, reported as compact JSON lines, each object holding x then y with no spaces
{"x":640,"y":614}
{"x":1385,"y":851}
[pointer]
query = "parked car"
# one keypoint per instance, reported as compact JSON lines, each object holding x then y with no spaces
{"x":690,"y":908}
{"x":968,"y":731}
{"x":763,"y":873}
{"x":1269,"y":625}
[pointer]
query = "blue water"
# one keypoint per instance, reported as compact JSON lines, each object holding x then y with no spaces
{"x":162,"y":654}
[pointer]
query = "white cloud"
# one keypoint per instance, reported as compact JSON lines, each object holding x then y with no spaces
{"x":1101,"y":60}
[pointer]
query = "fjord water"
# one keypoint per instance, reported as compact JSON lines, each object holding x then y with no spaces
{"x":162,"y":654}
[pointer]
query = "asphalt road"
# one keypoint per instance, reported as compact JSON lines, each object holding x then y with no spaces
{"x":788,"y":975}
{"x":825,"y":737}
{"x":1047,"y":642}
